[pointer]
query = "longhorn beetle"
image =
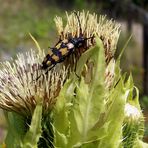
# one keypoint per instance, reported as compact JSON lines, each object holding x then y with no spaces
{"x":63,"y":49}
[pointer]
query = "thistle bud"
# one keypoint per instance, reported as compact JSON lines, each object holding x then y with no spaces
{"x":132,"y":125}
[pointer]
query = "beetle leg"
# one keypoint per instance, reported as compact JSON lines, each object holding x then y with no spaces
{"x":50,"y":68}
{"x":58,"y":41}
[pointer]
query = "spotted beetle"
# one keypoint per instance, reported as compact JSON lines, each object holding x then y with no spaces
{"x":63,"y":49}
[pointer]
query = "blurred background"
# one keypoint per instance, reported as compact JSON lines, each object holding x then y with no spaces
{"x":19,"y":17}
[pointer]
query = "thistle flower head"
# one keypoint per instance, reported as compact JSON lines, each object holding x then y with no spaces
{"x":107,"y":30}
{"x":19,"y":90}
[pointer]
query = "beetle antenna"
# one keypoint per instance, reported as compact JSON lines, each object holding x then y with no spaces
{"x":78,"y":22}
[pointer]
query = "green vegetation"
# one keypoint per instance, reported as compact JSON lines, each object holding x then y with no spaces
{"x":21,"y":18}
{"x":85,"y":114}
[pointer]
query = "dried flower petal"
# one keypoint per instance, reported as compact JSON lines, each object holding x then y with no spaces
{"x":110,"y":73}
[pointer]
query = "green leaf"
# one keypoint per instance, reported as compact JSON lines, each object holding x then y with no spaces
{"x":60,"y":114}
{"x":98,"y":132}
{"x":78,"y":115}
{"x":89,"y":99}
{"x":82,"y":61}
{"x":32,"y":136}
{"x":129,"y":83}
{"x":86,"y":55}
{"x":97,"y":88}
{"x":117,"y":66}
{"x":115,"y":115}
{"x":123,"y":49}
{"x":16,"y":129}
{"x":60,"y":139}
{"x":62,"y":107}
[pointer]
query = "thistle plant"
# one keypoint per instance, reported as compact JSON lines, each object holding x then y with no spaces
{"x":83,"y":102}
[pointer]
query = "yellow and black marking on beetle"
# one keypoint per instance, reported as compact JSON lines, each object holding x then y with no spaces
{"x":63,"y":49}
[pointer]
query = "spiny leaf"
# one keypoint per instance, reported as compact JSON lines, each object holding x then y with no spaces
{"x":91,"y":53}
{"x":62,"y":107}
{"x":115,"y":115}
{"x":86,"y":106}
{"x":90,"y":98}
{"x":60,"y":139}
{"x":117,"y":66}
{"x":61,"y":122}
{"x":32,"y":136}
{"x":123,"y":49}
{"x":16,"y":130}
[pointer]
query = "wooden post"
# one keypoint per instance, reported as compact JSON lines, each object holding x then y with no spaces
{"x":129,"y":25}
{"x":145,"y":58}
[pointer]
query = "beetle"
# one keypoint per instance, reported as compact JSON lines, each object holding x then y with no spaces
{"x":63,"y":49}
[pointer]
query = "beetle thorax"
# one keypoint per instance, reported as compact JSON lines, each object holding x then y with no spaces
{"x":78,"y":42}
